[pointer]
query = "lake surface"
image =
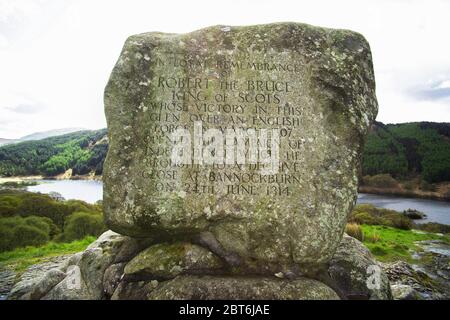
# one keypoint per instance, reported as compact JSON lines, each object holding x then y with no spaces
{"x":86,"y":190}
{"x":91,"y":191}
{"x":436,"y":211}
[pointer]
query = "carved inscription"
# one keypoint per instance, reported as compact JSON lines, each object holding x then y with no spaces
{"x":213,"y":111}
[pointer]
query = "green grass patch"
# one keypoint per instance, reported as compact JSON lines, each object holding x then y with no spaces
{"x":21,"y":258}
{"x":392,"y":244}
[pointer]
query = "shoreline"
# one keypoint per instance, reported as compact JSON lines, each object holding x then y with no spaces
{"x":403,"y":193}
{"x":59,"y":177}
{"x":361,"y":189}
{"x":20,"y":178}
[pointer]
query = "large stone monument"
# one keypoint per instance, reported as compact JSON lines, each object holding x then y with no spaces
{"x":292,"y":100}
{"x":232,"y":167}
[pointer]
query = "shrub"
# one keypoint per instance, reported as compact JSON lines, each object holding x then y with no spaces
{"x":409,"y":185}
{"x":425,"y":186}
{"x":25,"y":235}
{"x":43,"y":206}
{"x":368,"y":214}
{"x":39,"y":223}
{"x":24,"y":214}
{"x":380,"y":181}
{"x":81,"y":224}
{"x":18,"y":231}
{"x":365,"y":207}
{"x":22,"y":203}
{"x":6,"y":237}
{"x":11,"y":222}
{"x":363,"y":218}
{"x":433,"y":227}
{"x":354,"y":230}
{"x":8,"y":205}
{"x":44,"y":224}
{"x":397,"y":220}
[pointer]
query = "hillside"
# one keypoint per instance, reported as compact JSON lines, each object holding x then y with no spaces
{"x":6,"y":141}
{"x":408,"y":150}
{"x":82,"y":151}
{"x":405,"y":151}
{"x":49,"y":133}
{"x":40,"y":135}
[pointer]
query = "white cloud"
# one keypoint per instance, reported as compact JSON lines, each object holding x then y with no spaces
{"x":444,"y":85}
{"x":60,"y":53}
{"x":3,"y":41}
{"x":15,"y":10}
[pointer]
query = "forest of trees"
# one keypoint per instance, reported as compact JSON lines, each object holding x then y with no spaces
{"x":82,"y":151}
{"x":402,"y":150}
{"x":408,"y":150}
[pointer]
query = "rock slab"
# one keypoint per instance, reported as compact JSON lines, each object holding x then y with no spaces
{"x":296,"y":100}
{"x":188,"y":271}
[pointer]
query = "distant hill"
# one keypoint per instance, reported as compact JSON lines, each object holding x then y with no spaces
{"x":82,"y":151}
{"x":49,"y":133}
{"x":403,"y":150}
{"x":40,"y":135}
{"x":6,"y":141}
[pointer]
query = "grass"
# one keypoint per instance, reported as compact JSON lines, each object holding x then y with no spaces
{"x":392,"y":244}
{"x":21,"y":258}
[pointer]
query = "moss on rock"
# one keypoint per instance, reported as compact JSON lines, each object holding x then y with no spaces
{"x":166,"y":261}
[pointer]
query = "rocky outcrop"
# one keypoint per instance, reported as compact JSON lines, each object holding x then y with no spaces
{"x":427,"y":280}
{"x":122,"y":268}
{"x":405,"y":292}
{"x":35,"y":274}
{"x":7,"y":279}
{"x":356,"y":273}
{"x":414,"y":214}
{"x":239,"y":288}
{"x":80,"y":276}
{"x":409,"y":282}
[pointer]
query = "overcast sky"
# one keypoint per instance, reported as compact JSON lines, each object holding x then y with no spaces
{"x":56,"y":56}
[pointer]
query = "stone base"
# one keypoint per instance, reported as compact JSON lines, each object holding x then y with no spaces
{"x":192,"y":287}
{"x":121,"y":268}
